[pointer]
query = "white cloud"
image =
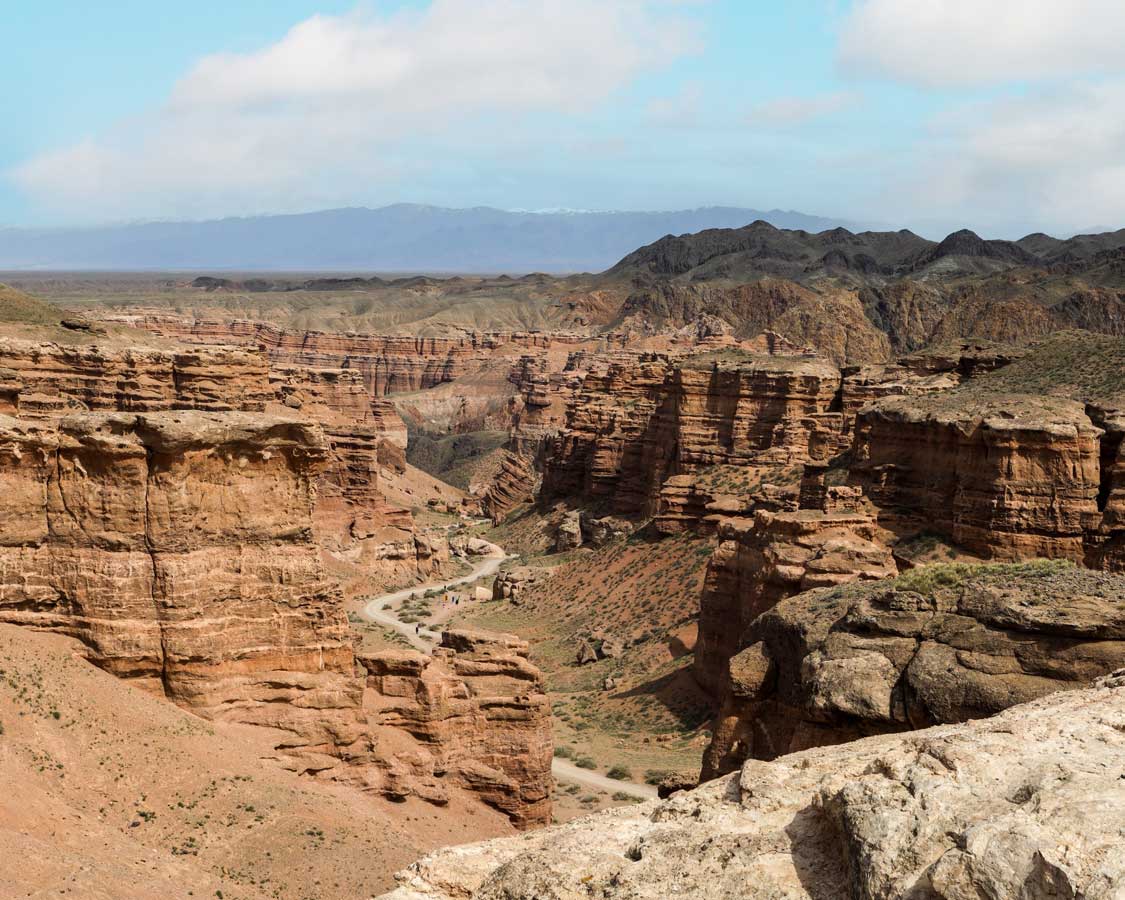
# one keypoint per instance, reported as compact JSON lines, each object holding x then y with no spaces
{"x":949,"y":43}
{"x":1054,"y":158}
{"x":337,"y":101}
{"x":681,"y":109}
{"x":784,"y":111}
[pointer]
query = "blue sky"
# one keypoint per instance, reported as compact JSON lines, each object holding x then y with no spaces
{"x":1004,"y":116}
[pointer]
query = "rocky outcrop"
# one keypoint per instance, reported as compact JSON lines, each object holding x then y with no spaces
{"x":356,"y":528}
{"x":1005,"y":477}
{"x":515,"y":483}
{"x":568,"y":533}
{"x":1025,"y":804}
{"x":472,"y":716}
{"x":599,"y":452}
{"x":510,"y":584}
{"x":388,"y":363}
{"x":634,"y":427}
{"x":937,"y":645}
{"x":343,"y":394}
{"x":773,"y":555}
{"x":1105,"y":549}
{"x":178,"y":547}
{"x":44,"y":379}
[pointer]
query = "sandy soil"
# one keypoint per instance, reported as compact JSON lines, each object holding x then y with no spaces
{"x":110,"y":793}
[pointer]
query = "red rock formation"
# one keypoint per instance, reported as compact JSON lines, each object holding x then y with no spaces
{"x":628,"y":431}
{"x":45,"y":379}
{"x":354,"y":524}
{"x":1105,"y":548}
{"x":180,"y":548}
{"x":388,"y":363}
{"x":773,"y":555}
{"x":1004,"y":477}
{"x":474,"y":715}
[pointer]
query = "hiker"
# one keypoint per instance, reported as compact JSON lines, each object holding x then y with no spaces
{"x":418,"y":628}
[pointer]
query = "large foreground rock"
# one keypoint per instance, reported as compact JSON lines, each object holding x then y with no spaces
{"x":939,"y":644}
{"x":1029,"y":804}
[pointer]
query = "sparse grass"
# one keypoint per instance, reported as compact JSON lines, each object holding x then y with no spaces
{"x":927,"y":580}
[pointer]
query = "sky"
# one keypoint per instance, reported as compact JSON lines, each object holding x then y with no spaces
{"x":1005,"y":116}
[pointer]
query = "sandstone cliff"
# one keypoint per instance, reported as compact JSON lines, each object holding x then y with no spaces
{"x":474,"y":715}
{"x":45,"y":379}
{"x":1026,"y":804}
{"x":633,"y":427}
{"x":774,"y":555}
{"x":388,"y":363}
{"x":1011,"y":477}
{"x":180,"y":548}
{"x":361,"y":533}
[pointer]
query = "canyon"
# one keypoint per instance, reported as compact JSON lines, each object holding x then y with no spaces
{"x":776,"y":544}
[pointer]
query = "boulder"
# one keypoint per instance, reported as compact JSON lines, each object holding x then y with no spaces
{"x":1028,"y":804}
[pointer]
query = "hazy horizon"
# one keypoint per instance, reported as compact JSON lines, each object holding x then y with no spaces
{"x":1000,"y":117}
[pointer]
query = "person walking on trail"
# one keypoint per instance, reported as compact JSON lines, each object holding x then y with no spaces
{"x":418,"y":629}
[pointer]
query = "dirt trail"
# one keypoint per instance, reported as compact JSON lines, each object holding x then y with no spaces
{"x":373,"y":611}
{"x":568,"y":771}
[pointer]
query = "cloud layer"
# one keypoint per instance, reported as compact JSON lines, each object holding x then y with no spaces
{"x":335,"y":104}
{"x":959,"y":43}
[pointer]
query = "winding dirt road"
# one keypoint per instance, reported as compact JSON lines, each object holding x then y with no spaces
{"x":568,"y":771}
{"x":373,"y":611}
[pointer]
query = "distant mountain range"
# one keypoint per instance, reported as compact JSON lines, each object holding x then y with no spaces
{"x":761,"y":249}
{"x":399,"y":238}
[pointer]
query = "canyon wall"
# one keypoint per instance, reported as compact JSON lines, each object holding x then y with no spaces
{"x":1013,"y":477}
{"x":364,"y":537}
{"x":631,"y":428}
{"x":47,"y":379}
{"x":180,"y":548}
{"x":388,"y":363}
{"x":772,"y":555}
{"x":474,"y":715}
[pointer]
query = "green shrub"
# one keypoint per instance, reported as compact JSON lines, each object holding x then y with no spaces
{"x":619,"y":773}
{"x":585,"y":762}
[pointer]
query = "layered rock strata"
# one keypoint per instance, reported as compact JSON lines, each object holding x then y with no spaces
{"x":388,"y":363}
{"x":474,"y":716}
{"x":1025,"y":804}
{"x":632,"y":428}
{"x":180,"y":548}
{"x":957,"y":643}
{"x":363,"y":536}
{"x":44,"y":379}
{"x":763,"y":559}
{"x":1012,"y":477}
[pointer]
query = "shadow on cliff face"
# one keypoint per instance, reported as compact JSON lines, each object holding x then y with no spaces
{"x":678,"y":693}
